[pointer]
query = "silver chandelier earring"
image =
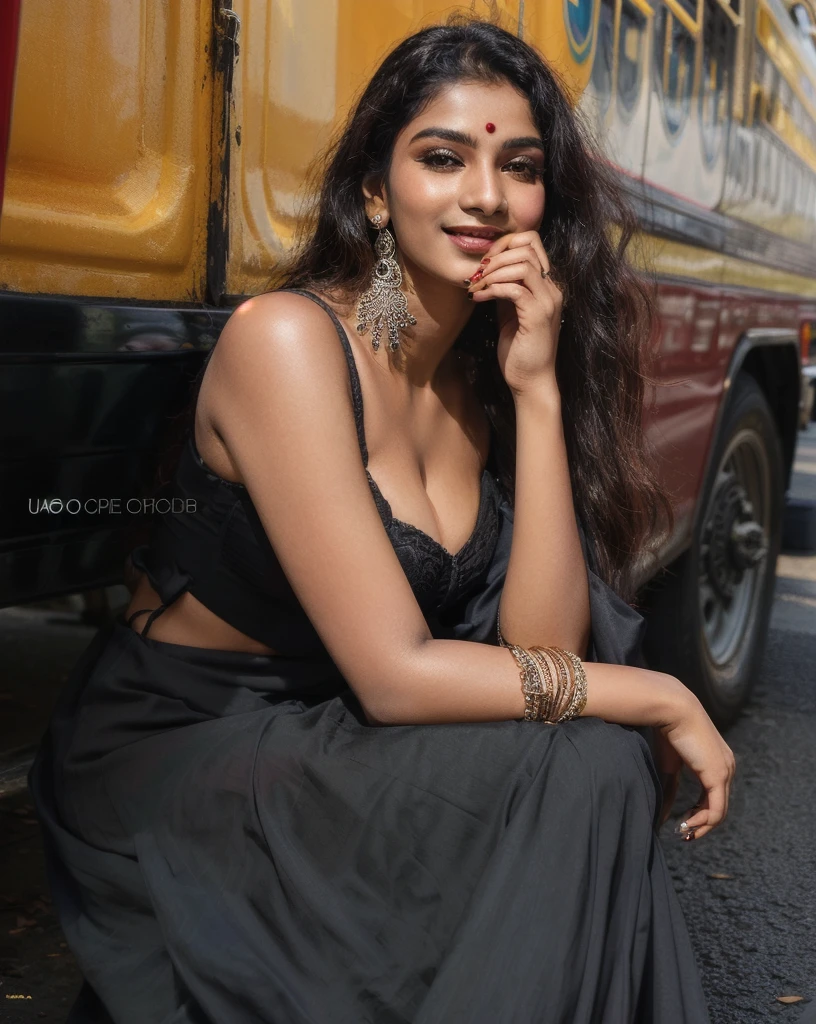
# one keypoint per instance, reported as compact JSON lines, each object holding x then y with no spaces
{"x":382,"y":304}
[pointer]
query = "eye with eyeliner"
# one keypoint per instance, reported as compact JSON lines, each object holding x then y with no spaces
{"x":433,"y":156}
{"x":520,"y":165}
{"x":527,"y":167}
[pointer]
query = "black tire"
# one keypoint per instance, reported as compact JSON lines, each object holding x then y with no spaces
{"x":712,"y":642}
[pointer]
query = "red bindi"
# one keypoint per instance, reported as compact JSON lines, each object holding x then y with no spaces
{"x":490,"y":127}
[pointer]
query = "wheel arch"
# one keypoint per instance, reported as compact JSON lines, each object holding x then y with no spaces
{"x":771,"y":358}
{"x":765,"y":363}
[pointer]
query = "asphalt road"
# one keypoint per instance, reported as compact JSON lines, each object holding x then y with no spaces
{"x":748,"y":890}
{"x":755,"y":932}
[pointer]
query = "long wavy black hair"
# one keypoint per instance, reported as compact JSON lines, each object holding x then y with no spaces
{"x":608,"y":314}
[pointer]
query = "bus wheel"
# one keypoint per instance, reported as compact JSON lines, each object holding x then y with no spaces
{"x":711,"y":612}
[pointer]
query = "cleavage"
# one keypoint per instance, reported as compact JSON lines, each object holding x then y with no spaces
{"x":407,"y":520}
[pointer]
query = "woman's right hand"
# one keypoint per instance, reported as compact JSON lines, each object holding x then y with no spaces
{"x":699,"y":744}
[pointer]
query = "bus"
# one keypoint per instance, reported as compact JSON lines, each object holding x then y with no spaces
{"x":156,"y":169}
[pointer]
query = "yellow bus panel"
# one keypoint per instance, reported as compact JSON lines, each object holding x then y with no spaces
{"x":107,"y":189}
{"x":301,"y":65}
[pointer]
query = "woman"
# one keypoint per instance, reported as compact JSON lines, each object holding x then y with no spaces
{"x":311,"y":794}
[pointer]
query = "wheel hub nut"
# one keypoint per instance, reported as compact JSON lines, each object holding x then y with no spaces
{"x":748,"y":547}
{"x":735,"y":541}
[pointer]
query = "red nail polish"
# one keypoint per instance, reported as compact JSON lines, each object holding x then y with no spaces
{"x":485,"y":259}
{"x":477,"y":276}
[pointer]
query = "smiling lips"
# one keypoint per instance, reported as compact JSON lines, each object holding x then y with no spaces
{"x":473,"y":239}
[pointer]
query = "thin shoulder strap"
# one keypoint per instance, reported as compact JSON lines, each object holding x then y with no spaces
{"x":354,"y":377}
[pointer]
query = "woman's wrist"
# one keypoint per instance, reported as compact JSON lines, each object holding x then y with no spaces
{"x":636,"y":696}
{"x":676,"y":702}
{"x":540,"y":393}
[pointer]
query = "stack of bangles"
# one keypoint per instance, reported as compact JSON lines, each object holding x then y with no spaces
{"x":553,"y":682}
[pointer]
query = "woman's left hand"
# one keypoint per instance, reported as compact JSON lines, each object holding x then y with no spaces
{"x":529,"y":308}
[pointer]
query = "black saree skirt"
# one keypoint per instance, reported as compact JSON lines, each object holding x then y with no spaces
{"x":229,"y":841}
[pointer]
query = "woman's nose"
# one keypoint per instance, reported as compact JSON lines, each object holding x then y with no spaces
{"x":483,"y":192}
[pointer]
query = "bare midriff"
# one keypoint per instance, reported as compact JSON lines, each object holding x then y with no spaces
{"x":189,"y":622}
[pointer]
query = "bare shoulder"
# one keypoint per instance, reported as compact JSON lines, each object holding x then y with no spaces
{"x":276,"y":324}
{"x":271,"y":342}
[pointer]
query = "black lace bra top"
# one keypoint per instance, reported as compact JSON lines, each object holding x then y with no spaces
{"x":221,"y":554}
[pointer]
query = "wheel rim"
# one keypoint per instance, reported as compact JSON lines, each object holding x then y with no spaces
{"x":734,"y":547}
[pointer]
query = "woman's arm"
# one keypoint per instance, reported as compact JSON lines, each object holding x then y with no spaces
{"x":546,"y":593}
{"x":458,"y":681}
{"x":465,"y":681}
{"x":545,"y":599}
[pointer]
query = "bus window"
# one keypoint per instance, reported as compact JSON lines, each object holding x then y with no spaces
{"x":673,"y":69}
{"x":803,"y":20}
{"x":601,"y":79}
{"x":716,"y":80}
{"x":631,"y":49}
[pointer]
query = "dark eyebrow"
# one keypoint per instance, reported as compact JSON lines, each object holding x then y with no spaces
{"x":448,"y":134}
{"x":451,"y":135}
{"x":523,"y":142}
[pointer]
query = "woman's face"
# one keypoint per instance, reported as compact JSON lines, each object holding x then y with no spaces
{"x":473,"y":159}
